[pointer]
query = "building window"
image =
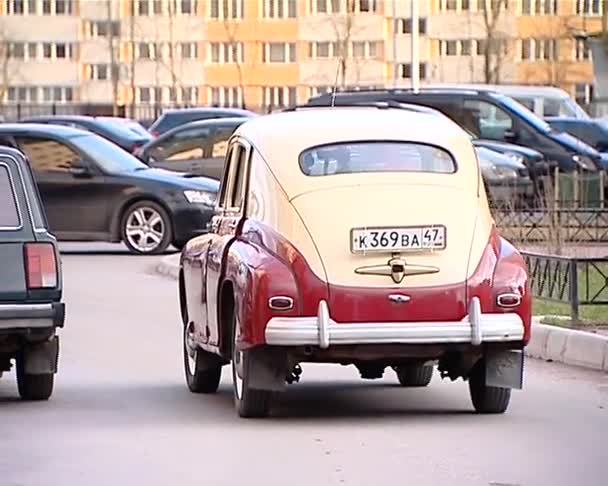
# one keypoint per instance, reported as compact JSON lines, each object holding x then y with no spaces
{"x":149,"y":94}
{"x":404,"y":26}
{"x":370,"y":6}
{"x":103,"y":28}
{"x":279,"y":96}
{"x":365,"y":49}
{"x":189,"y":95}
{"x":539,"y":7}
{"x":52,"y":50}
{"x":98,"y":72}
{"x":318,"y":90}
{"x":455,"y":5}
{"x":23,"y":50}
{"x":226,"y":9}
{"x":226,"y":52}
{"x":226,"y":96}
{"x":589,"y":7}
{"x":279,"y":52}
{"x":539,"y":49}
{"x":150,"y":50}
{"x":583,"y":93}
{"x":187,"y":50}
{"x":405,"y":70}
{"x":279,"y":9}
{"x":582,"y":51}
{"x":320,"y":50}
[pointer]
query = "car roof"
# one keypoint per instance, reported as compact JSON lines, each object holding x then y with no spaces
{"x":509,"y":89}
{"x":208,"y":122}
{"x":205,"y":109}
{"x":280,"y":138}
{"x":568,"y":119}
{"x":41,"y":128}
{"x":80,"y":118}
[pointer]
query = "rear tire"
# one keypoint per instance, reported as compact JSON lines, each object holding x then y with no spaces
{"x":200,"y":378}
{"x":414,"y":375}
{"x":249,"y":402}
{"x":487,"y":399}
{"x":33,"y":387}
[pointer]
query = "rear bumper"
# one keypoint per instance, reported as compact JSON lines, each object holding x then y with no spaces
{"x":321,"y":330}
{"x":31,"y":316}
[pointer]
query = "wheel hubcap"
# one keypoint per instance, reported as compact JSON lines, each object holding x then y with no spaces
{"x":145,"y":229}
{"x":191,"y":349}
{"x":237,"y":363}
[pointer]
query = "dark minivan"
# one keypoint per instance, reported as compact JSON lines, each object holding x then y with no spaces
{"x":175,"y":117}
{"x":488,"y":115}
{"x":30,"y":281}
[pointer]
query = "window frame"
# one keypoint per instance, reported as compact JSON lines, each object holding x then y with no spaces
{"x":13,"y":187}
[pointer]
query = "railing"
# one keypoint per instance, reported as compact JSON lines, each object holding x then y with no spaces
{"x":555,"y":226}
{"x":574,"y":281}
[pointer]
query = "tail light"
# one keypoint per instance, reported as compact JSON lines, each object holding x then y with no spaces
{"x":508,"y":300}
{"x":40,"y":266}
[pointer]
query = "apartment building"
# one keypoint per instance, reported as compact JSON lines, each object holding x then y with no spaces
{"x":267,"y":53}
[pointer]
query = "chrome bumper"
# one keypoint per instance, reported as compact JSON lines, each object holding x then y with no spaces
{"x":26,"y":316}
{"x":323,"y":331}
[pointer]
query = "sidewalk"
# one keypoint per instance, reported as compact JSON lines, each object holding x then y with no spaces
{"x":550,"y":343}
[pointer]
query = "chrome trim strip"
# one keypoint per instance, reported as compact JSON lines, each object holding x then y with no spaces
{"x":15,"y":198}
{"x":323,"y":331}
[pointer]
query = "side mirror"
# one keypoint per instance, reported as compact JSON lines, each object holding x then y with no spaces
{"x":80,"y":169}
{"x":511,"y":135}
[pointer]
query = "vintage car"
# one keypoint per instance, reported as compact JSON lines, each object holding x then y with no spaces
{"x":353,"y":235}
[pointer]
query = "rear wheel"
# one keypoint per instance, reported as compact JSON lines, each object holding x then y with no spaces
{"x":487,"y":399}
{"x":414,"y":375}
{"x":200,"y":376}
{"x":146,"y":228}
{"x":33,"y":387}
{"x":249,"y":402}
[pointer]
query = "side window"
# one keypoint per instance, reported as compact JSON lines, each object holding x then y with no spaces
{"x":9,"y":213}
{"x":493,"y":121}
{"x":226,"y":177}
{"x":240,"y":176}
{"x":47,"y":155}
{"x":186,"y":145}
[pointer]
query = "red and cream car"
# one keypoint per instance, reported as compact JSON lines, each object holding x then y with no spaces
{"x":353,"y":235}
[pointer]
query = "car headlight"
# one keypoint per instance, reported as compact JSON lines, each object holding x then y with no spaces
{"x":516,"y":157}
{"x":200,"y":197}
{"x":584,"y":162}
{"x":495,"y":172}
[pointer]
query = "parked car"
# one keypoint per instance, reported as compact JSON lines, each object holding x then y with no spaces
{"x":93,"y":190}
{"x":310,"y":259}
{"x":507,"y":180}
{"x":31,"y":310}
{"x":121,"y":135}
{"x":592,"y":132}
{"x":543,"y":101}
{"x":489,"y":115}
{"x":197,"y":147}
{"x":131,"y":124}
{"x":176,"y":117}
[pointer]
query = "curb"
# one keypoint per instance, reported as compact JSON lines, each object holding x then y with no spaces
{"x":549,"y":343}
{"x":169,"y":266}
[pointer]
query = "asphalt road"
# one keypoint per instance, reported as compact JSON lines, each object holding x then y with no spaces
{"x":121,"y":413}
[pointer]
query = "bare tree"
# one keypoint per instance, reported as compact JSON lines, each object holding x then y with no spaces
{"x":496,"y":45}
{"x":231,"y":31}
{"x":344,"y":27}
{"x":174,"y":81}
{"x":6,"y":54}
{"x":114,"y":66}
{"x":132,"y":42}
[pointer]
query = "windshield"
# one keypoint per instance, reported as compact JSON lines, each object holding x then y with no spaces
{"x":523,"y":112}
{"x":110,"y":157}
{"x":359,"y":157}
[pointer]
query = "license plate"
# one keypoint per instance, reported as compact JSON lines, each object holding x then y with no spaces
{"x":404,"y":238}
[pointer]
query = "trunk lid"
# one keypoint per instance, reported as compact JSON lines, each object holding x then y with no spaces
{"x":364,"y":285}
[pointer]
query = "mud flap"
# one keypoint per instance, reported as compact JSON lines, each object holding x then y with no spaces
{"x":267,"y":369}
{"x":505,"y":369}
{"x":41,"y":358}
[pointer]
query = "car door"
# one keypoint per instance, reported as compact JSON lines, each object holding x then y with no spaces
{"x":215,"y":151}
{"x":181,"y":152}
{"x":225,"y":226}
{"x":72,"y":189}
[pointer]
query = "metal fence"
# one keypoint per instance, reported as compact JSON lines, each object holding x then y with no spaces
{"x":574,"y":281}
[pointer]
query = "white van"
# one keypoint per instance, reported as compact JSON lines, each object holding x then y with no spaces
{"x":542,"y":100}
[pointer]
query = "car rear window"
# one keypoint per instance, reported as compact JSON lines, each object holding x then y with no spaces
{"x":361,"y":157}
{"x":9,"y":212}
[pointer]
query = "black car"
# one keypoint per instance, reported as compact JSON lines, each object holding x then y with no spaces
{"x":176,"y":117}
{"x":197,"y":147}
{"x":30,"y":281}
{"x":488,"y":115}
{"x":120,"y":134}
{"x":94,"y":191}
